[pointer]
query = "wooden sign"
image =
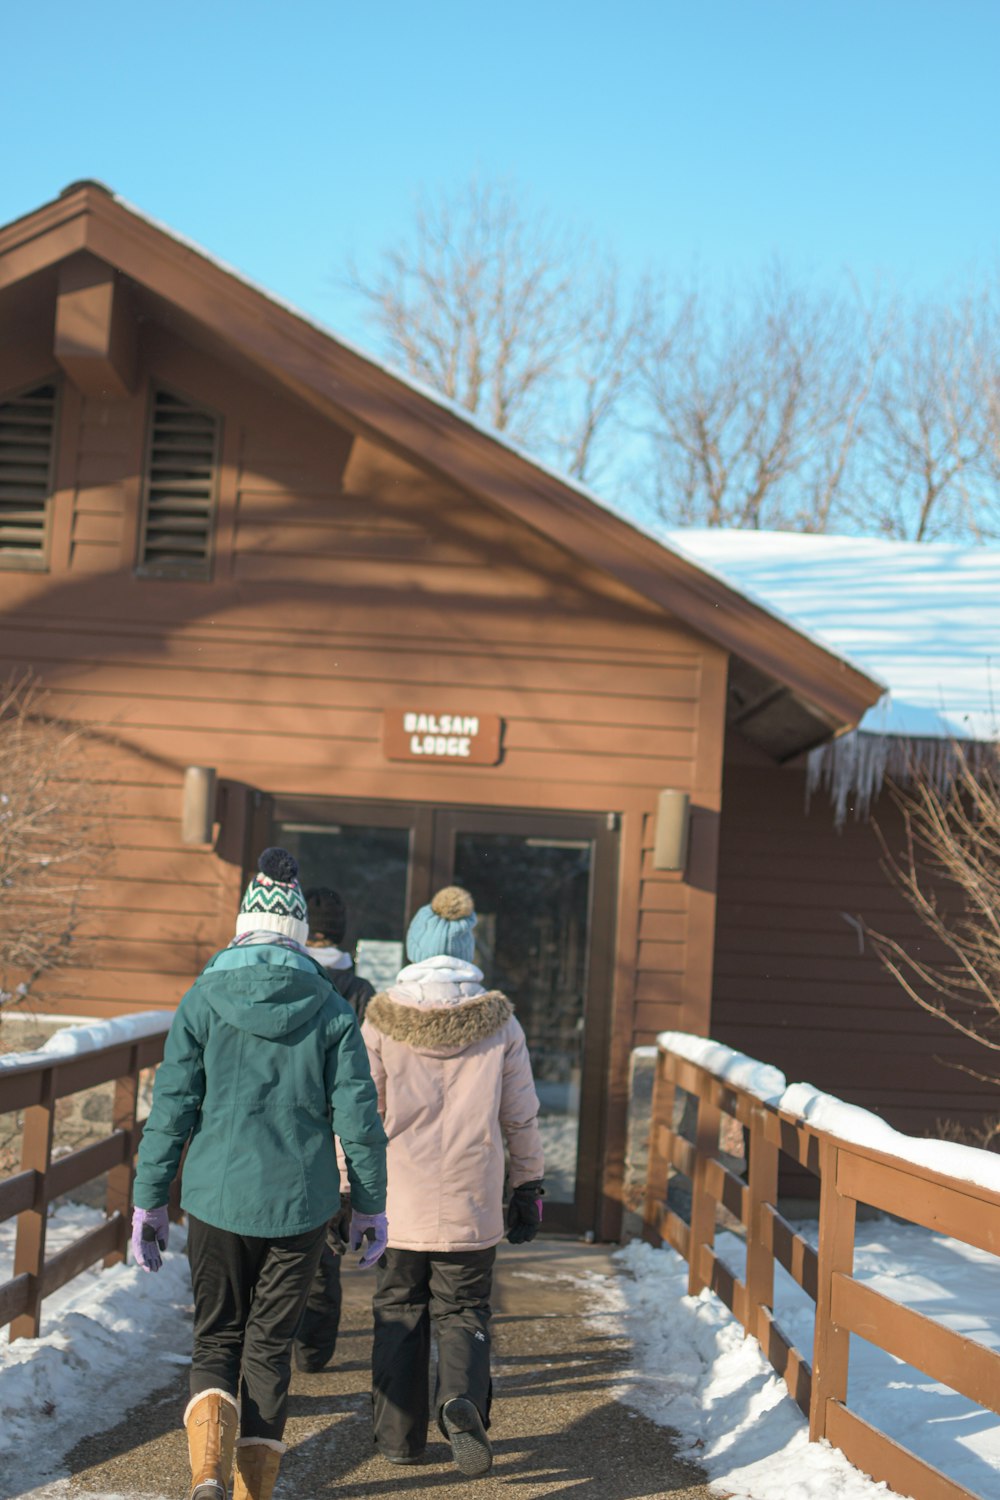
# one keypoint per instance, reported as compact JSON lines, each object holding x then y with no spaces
{"x":459,"y":739}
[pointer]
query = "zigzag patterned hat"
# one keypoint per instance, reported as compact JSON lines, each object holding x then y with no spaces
{"x":274,"y":901}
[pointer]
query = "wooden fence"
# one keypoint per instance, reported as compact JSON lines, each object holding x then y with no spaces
{"x":34,"y":1086}
{"x":849,"y":1174}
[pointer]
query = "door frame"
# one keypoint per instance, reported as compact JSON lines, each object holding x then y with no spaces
{"x":601,"y":832}
{"x":434,"y":827}
{"x":417,"y":816}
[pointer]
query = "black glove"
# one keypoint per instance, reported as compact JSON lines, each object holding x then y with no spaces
{"x":524,"y":1212}
{"x":338,"y":1230}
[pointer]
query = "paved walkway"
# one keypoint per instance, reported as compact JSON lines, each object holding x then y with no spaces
{"x":557,"y":1428}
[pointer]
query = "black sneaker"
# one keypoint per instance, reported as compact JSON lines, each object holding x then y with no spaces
{"x":469,"y":1444}
{"x":401,"y":1458}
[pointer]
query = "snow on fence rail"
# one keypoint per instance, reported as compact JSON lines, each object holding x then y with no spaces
{"x":888,"y":1175}
{"x":73,"y":1060}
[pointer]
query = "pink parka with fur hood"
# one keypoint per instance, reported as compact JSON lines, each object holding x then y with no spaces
{"x":450,"y":1063}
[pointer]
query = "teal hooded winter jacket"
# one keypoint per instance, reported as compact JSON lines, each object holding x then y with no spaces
{"x":264,"y":1062}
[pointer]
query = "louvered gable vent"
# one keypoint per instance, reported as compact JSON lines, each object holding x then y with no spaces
{"x":179,"y":508}
{"x":27,"y":440}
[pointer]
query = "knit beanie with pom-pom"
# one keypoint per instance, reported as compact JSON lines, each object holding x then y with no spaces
{"x":274,"y":901}
{"x":443,"y":929}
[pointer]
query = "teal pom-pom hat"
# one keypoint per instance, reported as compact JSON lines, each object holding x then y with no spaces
{"x":444,"y":928}
{"x":273,"y":901}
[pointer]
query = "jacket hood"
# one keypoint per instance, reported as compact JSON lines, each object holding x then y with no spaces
{"x":437,"y":982}
{"x":268,"y":1000}
{"x":446,"y":1030}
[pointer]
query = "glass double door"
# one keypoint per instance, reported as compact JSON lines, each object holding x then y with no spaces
{"x":543,"y":885}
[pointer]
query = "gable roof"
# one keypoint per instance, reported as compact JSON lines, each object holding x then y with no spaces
{"x":824,"y":692}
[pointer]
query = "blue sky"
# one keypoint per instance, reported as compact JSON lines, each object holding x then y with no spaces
{"x":282,"y":137}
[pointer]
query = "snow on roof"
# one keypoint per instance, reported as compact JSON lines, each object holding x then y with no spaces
{"x":924,"y":618}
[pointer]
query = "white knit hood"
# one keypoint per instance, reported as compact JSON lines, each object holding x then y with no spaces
{"x":330,"y":957}
{"x":436,"y":983}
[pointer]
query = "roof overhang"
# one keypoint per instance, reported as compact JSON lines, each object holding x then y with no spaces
{"x":787,"y":691}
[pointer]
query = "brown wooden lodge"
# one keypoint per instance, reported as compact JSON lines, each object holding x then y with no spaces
{"x":229,"y":541}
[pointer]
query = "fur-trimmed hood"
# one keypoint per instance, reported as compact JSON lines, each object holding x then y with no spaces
{"x":445,"y":1029}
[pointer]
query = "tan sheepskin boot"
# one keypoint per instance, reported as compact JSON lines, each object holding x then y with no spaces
{"x":257,"y":1464}
{"x":211,"y":1419}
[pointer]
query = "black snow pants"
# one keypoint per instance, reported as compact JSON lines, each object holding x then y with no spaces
{"x":416,"y":1290}
{"x":316,"y":1339}
{"x":248,"y":1299}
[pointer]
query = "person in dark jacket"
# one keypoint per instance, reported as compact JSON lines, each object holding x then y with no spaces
{"x":263,"y":1063}
{"x":316,"y":1339}
{"x":327,"y":926}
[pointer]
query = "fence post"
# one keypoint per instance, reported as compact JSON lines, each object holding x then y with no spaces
{"x":762,"y":1189}
{"x":702,"y":1201}
{"x":661,"y":1118}
{"x":29,"y":1253}
{"x":119,"y":1195}
{"x":831,"y":1345}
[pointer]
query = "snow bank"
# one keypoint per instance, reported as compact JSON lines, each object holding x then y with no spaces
{"x":698,"y":1373}
{"x":109,"y":1339}
{"x":74,"y":1041}
{"x":850,"y":1123}
{"x":767,"y":1082}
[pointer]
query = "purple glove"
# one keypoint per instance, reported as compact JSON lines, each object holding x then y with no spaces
{"x":150,"y":1232}
{"x":377,"y":1227}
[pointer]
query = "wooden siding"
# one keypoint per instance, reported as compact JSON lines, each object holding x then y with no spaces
{"x":795,"y":983}
{"x":346,"y":582}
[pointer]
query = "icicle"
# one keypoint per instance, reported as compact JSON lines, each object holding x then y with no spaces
{"x":853,"y":769}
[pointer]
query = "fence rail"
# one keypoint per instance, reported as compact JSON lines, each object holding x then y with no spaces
{"x":849,"y":1174}
{"x":34,"y":1086}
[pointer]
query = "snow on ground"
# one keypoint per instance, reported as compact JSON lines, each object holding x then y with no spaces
{"x":109,"y":1339}
{"x":697,"y":1373}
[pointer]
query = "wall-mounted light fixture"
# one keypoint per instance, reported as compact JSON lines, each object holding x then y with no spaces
{"x":198,"y":807}
{"x":673,"y":821}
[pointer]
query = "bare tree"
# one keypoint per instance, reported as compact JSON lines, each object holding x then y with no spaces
{"x":53,"y":836}
{"x":777,"y":406}
{"x":949,"y":874}
{"x":511,"y":317}
{"x":755,"y":406}
{"x":933,"y":431}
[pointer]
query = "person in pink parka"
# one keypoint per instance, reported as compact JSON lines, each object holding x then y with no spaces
{"x":450,"y":1064}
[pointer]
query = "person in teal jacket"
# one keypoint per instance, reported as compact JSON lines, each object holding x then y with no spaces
{"x":264,"y":1062}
